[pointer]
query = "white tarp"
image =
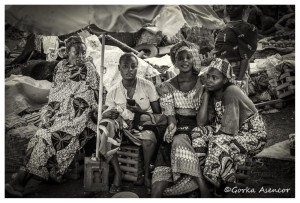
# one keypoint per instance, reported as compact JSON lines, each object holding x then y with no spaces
{"x":64,"y":19}
{"x":112,"y":55}
{"x":22,"y":92}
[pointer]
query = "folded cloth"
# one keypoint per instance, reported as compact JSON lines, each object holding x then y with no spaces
{"x":50,"y":46}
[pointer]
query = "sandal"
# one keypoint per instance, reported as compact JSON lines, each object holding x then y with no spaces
{"x":114,"y":189}
{"x":149,"y":190}
{"x":11,"y":191}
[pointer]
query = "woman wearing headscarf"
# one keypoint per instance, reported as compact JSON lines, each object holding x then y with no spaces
{"x":177,"y":169}
{"x":237,"y":42}
{"x":233,"y":130}
{"x":67,"y":121}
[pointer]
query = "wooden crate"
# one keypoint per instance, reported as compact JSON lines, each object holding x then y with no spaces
{"x":287,"y":91}
{"x":285,"y":85}
{"x":131,"y":162}
{"x":243,"y":171}
{"x":95,"y":175}
{"x":285,"y":80}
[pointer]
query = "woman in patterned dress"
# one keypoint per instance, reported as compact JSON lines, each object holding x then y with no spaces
{"x":177,"y":168}
{"x":237,"y":42}
{"x":234,"y":128}
{"x":67,"y":121}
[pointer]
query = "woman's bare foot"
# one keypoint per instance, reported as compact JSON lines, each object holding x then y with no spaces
{"x":147,"y":183}
{"x":10,"y":190}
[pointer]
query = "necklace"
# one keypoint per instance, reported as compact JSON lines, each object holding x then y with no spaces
{"x":185,"y":94}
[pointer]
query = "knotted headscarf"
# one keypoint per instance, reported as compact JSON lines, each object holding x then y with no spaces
{"x":223,"y":66}
{"x":190,"y":47}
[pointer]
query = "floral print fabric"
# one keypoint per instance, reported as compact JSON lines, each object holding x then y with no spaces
{"x":66,"y":121}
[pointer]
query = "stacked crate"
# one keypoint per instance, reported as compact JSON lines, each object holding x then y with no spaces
{"x":131,"y":162}
{"x":285,"y":84}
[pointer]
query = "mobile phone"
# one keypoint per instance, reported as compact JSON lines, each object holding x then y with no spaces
{"x":131,"y":102}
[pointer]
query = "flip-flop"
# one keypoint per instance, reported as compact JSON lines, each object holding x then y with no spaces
{"x":11,"y":191}
{"x":114,"y":189}
{"x":149,"y":190}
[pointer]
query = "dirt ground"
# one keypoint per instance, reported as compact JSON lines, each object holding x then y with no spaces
{"x":266,"y":174}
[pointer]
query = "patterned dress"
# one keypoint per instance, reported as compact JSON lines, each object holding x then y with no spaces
{"x":177,"y":162}
{"x":66,"y":121}
{"x":237,"y":41}
{"x":245,"y":136}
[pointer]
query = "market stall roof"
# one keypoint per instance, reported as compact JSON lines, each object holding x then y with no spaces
{"x":62,"y":19}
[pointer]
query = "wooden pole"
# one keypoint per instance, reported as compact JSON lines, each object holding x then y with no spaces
{"x":122,"y":44}
{"x":100,"y":95}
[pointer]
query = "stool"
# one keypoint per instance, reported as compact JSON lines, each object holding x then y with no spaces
{"x":76,"y":168}
{"x":131,"y":162}
{"x":243,"y":172}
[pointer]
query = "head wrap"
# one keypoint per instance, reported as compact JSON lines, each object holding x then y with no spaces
{"x":73,"y":40}
{"x":190,"y":47}
{"x":223,"y":66}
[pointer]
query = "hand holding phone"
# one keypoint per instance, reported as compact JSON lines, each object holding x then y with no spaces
{"x":131,"y":102}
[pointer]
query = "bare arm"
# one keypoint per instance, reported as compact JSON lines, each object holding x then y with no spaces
{"x":280,"y":25}
{"x":202,"y":114}
{"x":155,"y":107}
{"x":243,"y":69}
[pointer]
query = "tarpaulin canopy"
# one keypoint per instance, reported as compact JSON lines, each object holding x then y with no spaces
{"x":63,"y":19}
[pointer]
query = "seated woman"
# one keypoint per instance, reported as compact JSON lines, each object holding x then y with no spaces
{"x":236,"y":129}
{"x":177,"y":168}
{"x":66,"y":121}
{"x":131,"y":97}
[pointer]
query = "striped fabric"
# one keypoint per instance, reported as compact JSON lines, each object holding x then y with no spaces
{"x":173,"y":99}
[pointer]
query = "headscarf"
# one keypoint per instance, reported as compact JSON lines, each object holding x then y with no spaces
{"x":73,"y":40}
{"x":190,"y":47}
{"x":223,"y":66}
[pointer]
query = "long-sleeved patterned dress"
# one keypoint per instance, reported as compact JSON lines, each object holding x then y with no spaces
{"x":66,"y":121}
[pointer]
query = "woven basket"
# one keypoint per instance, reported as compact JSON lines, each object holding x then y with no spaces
{"x":15,"y":147}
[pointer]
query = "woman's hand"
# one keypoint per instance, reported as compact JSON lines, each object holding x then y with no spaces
{"x":170,"y":132}
{"x":111,"y":114}
{"x":206,"y":93}
{"x":135,"y":109}
{"x":129,"y":124}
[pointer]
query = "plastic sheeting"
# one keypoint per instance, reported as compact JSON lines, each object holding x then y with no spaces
{"x":22,"y":92}
{"x":63,"y":19}
{"x":112,"y":55}
{"x":279,"y":150}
